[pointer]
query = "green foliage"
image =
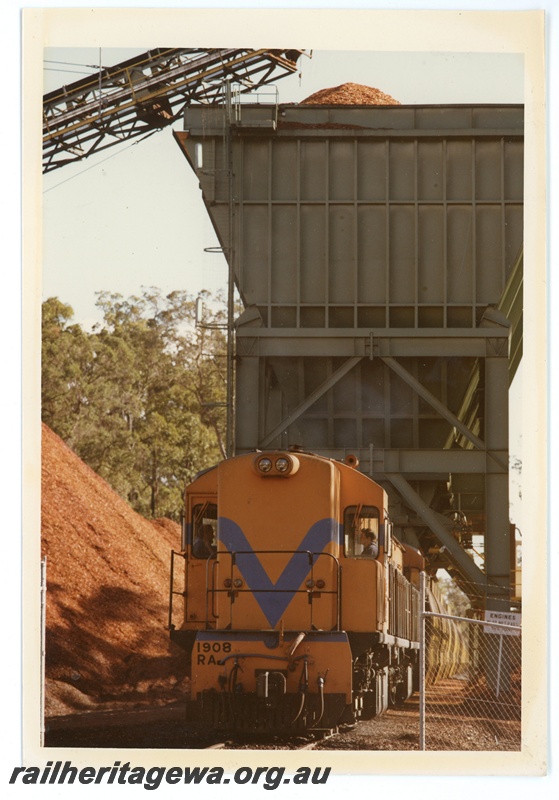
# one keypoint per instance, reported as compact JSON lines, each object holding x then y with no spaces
{"x":456,"y":602}
{"x":140,"y":398}
{"x":67,"y":358}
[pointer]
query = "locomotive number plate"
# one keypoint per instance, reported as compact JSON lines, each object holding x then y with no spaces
{"x":210,"y":652}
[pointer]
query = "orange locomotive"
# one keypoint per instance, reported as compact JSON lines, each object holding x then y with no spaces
{"x":300,"y":607}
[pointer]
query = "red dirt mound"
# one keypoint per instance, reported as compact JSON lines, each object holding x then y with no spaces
{"x":350,"y":94}
{"x":107,"y":594}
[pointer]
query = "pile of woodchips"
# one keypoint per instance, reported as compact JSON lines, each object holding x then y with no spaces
{"x":351,"y":94}
{"x":107,"y":594}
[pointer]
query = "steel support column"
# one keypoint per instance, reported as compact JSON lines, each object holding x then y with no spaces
{"x":247,"y":405}
{"x":497,"y":534}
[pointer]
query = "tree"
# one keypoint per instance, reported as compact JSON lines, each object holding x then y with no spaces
{"x":456,"y":602}
{"x":140,"y":399}
{"x":66,"y":363}
{"x":207,"y":353}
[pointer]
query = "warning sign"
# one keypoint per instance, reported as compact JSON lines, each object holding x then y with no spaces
{"x":508,"y":618}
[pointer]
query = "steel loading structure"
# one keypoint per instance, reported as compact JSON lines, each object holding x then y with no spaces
{"x":378,"y":254}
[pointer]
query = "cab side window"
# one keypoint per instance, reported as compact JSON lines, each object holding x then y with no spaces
{"x":204,"y":530}
{"x":361,"y":531}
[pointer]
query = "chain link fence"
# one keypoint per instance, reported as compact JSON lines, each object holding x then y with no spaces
{"x":470,"y":682}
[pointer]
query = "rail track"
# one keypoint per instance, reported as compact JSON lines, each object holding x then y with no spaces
{"x":308,"y":741}
{"x":162,"y":728}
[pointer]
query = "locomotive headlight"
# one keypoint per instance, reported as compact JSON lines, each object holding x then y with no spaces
{"x":320,"y":584}
{"x":275,"y":465}
{"x":237,"y":583}
{"x":309,"y":584}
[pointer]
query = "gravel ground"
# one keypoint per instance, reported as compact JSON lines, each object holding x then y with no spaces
{"x":396,"y":730}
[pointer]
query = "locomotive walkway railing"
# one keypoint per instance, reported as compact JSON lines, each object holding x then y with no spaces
{"x":236,"y":586}
{"x":172,"y":590}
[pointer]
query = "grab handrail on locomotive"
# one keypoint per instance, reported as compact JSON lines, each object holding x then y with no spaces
{"x":299,"y":606}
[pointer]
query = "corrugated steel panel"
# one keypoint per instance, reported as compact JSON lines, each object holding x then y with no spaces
{"x":403,"y":217}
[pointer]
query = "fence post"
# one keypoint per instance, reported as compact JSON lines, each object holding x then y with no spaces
{"x":422,"y":660}
{"x":499,"y":663}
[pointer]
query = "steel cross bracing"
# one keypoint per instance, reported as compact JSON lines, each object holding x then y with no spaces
{"x":146,"y":93}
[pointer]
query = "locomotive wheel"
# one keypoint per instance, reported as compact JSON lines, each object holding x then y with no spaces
{"x":376,"y":701}
{"x":369,"y":709}
{"x":393,"y":695}
{"x":398,"y":695}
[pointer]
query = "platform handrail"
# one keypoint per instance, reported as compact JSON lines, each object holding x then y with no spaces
{"x":170,"y":626}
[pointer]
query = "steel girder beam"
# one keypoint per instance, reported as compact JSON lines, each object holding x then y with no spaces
{"x":427,"y":464}
{"x":349,"y":342}
{"x":254,"y":345}
{"x":414,"y":464}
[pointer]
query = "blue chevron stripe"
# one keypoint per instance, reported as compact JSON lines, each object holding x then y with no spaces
{"x":274,"y":598}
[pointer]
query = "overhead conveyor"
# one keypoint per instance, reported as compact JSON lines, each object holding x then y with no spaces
{"x":146,"y":93}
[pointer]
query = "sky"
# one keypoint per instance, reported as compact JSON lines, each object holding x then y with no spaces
{"x":132,"y":220}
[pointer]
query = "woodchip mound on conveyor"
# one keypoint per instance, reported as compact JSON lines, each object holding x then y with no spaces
{"x":107,"y":594}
